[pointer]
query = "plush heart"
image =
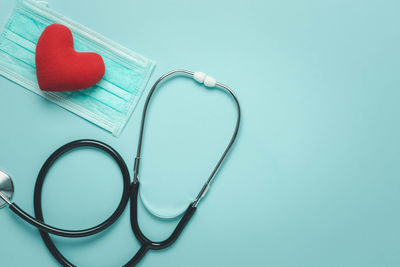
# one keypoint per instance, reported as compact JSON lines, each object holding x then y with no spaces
{"x":59,"y":67}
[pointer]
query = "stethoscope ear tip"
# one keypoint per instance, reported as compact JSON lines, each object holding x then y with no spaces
{"x":6,"y":189}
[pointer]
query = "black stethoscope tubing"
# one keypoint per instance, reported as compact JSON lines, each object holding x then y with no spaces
{"x":130,"y":190}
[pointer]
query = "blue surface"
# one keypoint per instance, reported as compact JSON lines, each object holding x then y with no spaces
{"x":313,"y":179}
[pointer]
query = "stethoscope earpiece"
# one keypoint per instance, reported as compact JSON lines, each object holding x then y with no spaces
{"x":6,"y":189}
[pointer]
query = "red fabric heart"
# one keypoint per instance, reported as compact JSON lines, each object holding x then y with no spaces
{"x":59,"y":67}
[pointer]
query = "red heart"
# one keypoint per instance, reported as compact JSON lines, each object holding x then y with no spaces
{"x":59,"y":67}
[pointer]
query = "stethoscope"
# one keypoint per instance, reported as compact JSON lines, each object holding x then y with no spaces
{"x":130,"y":190}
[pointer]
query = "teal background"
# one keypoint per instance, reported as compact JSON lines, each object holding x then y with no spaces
{"x":313,"y":179}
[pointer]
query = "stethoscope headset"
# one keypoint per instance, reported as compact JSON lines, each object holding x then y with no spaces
{"x":130,"y":190}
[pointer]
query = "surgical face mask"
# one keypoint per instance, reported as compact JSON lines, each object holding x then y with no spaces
{"x":110,"y":102}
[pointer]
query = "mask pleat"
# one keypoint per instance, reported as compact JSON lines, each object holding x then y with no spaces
{"x":19,"y":40}
{"x":107,"y":98}
{"x":90,"y":103}
{"x":18,"y":51}
{"x":118,"y":91}
{"x":11,"y":64}
{"x":27,"y":27}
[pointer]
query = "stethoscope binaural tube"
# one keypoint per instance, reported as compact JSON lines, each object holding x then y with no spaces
{"x":130,"y":190}
{"x":208,"y":82}
{"x":147,"y":243}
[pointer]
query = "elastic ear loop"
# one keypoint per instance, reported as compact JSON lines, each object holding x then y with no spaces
{"x":210,"y":82}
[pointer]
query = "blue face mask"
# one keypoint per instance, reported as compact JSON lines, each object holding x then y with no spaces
{"x":110,"y":102}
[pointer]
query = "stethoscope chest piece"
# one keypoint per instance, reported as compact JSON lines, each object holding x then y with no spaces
{"x":6,"y":188}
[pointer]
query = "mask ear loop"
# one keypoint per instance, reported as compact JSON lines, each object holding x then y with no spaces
{"x":210,"y":82}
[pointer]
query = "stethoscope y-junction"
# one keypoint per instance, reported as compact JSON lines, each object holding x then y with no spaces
{"x":130,"y":189}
